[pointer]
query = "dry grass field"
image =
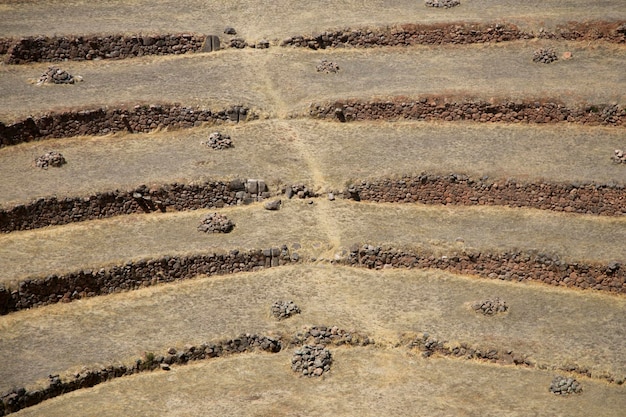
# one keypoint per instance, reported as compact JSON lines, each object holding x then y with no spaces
{"x":554,"y":327}
{"x":325,"y":156}
{"x":322,"y":230}
{"x":284,"y":80}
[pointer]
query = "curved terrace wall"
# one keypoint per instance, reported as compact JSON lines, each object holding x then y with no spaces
{"x":102,"y":121}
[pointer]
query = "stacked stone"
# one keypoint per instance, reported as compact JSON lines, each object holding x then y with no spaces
{"x":323,"y":335}
{"x":442,"y":3}
{"x":311,"y":360}
{"x":238,"y":43}
{"x":619,"y":157}
{"x":298,"y":190}
{"x":545,"y":55}
{"x":52,"y":159}
{"x":490,"y":307}
{"x":447,"y":109}
{"x":60,"y":48}
{"x":284,"y":309}
{"x":327,"y":67}
{"x":19,"y":398}
{"x":506,"y":266}
{"x":565,"y":386}
{"x":459,"y":189}
{"x":216,"y":223}
{"x":54,"y":75}
{"x":139,"y":118}
{"x":409,"y":34}
{"x":219,"y":141}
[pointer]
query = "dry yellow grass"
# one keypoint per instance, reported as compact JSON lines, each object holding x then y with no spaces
{"x":321,"y":154}
{"x":323,"y":229}
{"x":280,"y":81}
{"x":554,"y":326}
{"x":256,"y":20}
{"x":363,"y":382}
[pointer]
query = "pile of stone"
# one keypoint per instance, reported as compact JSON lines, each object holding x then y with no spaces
{"x":219,"y":141}
{"x":54,"y":75}
{"x":311,"y":360}
{"x":490,"y":307}
{"x":545,"y":55}
{"x":565,"y":386}
{"x":216,"y":223}
{"x":238,"y":43}
{"x":442,"y":3}
{"x":52,"y":158}
{"x":298,"y":190}
{"x":327,"y":67}
{"x":619,"y":157}
{"x":284,"y":309}
{"x":323,"y":335}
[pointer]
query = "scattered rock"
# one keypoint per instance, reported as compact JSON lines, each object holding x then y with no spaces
{"x":326,"y":335}
{"x":165,"y":367}
{"x":238,"y":43}
{"x":52,"y":158}
{"x":566,"y":55}
{"x":442,"y":3}
{"x":216,"y":223}
{"x":619,"y":156}
{"x":273,"y":205}
{"x":54,"y":75}
{"x":230,"y":30}
{"x":327,"y":66}
{"x":284,"y":309}
{"x":311,"y":360}
{"x":490,"y":307}
{"x":298,"y":190}
{"x":331,"y":196}
{"x":565,"y":386}
{"x":545,"y":55}
{"x":263,"y":44}
{"x":218,"y":141}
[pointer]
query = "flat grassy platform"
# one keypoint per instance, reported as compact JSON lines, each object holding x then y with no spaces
{"x":363,"y":381}
{"x":323,"y":155}
{"x":323,"y":230}
{"x":281,"y":81}
{"x":553,"y":326}
{"x":256,"y":20}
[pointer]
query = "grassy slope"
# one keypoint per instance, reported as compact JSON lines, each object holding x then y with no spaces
{"x":322,"y":229}
{"x":285,"y":80}
{"x":321,"y":154}
{"x":362,"y":382}
{"x":552,"y":325}
{"x":256,"y":19}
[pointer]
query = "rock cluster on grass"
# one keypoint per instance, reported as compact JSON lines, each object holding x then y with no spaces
{"x":219,"y":141}
{"x":442,"y":3}
{"x":327,"y":66}
{"x":54,"y":75}
{"x":544,"y":55}
{"x":565,"y":386}
{"x":619,"y":157}
{"x":325,"y":335}
{"x":229,"y":30}
{"x":216,"y":223}
{"x":238,"y":43}
{"x":490,"y":307}
{"x":284,"y":309}
{"x":311,"y":360}
{"x":52,"y":159}
{"x":298,"y":190}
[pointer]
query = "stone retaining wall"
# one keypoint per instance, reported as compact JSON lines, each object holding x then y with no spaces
{"x":101,"y":121}
{"x":507,"y":266}
{"x":53,"y":211}
{"x":453,"y":109}
{"x":60,"y":48}
{"x":21,"y":398}
{"x":453,"y":33}
{"x":134,"y":275}
{"x":607,"y":200}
